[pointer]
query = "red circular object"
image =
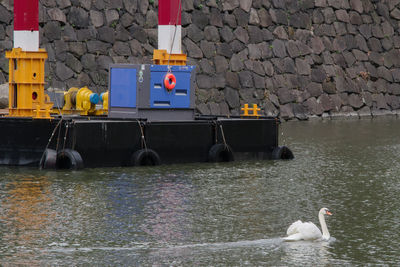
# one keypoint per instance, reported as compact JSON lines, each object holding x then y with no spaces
{"x":34,"y":95}
{"x":169,"y":81}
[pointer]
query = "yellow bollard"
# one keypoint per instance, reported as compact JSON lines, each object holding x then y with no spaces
{"x":245,"y":110}
{"x":254,"y":111}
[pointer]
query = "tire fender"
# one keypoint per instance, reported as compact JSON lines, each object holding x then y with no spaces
{"x":145,"y":157}
{"x":282,"y":152}
{"x":69,"y":159}
{"x":48,"y":160}
{"x":220,"y":153}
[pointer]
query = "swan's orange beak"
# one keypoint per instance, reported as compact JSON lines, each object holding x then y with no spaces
{"x":328,"y":212}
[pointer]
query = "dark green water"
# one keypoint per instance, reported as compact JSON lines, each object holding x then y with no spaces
{"x":215,"y":215}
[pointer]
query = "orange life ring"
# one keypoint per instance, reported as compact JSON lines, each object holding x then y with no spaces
{"x":169,"y":81}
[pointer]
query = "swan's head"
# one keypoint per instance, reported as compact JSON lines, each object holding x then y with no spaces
{"x":325,"y":211}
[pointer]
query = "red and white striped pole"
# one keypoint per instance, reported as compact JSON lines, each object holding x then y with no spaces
{"x":169,"y":26}
{"x":26,"y":24}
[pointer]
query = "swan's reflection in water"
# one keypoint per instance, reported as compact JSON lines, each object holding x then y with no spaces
{"x":301,"y":253}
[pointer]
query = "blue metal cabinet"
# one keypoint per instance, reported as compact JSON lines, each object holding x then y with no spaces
{"x":123,"y":87}
{"x":179,"y":97}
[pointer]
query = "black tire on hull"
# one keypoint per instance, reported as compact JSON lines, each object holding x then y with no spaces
{"x":69,"y":159}
{"x":282,"y":152}
{"x":48,"y":160}
{"x":145,"y":157}
{"x":220,"y":153}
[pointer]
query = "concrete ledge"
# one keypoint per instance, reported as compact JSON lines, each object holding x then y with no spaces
{"x":352,"y":115}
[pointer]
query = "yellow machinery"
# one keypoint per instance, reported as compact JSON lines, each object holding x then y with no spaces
{"x":26,"y":84}
{"x":83,"y":101}
{"x":161,"y":57}
{"x":69,"y":101}
{"x":27,"y":97}
{"x":86,"y":101}
{"x":104,"y":98}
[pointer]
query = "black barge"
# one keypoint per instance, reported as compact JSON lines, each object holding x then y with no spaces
{"x":74,"y":142}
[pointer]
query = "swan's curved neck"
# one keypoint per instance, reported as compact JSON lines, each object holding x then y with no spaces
{"x":325,"y":232}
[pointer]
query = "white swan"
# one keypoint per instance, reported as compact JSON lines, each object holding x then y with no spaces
{"x":307,"y":230}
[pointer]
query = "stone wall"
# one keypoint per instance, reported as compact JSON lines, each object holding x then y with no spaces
{"x":294,"y":58}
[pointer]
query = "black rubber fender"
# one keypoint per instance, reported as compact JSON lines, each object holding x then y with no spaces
{"x":282,"y":152}
{"x":69,"y":159}
{"x":48,"y":160}
{"x":145,"y":157}
{"x":220,"y":153}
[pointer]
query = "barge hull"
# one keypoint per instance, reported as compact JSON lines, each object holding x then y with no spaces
{"x":109,"y":142}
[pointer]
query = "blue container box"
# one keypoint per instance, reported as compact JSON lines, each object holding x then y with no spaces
{"x":179,"y":96}
{"x":138,"y":91}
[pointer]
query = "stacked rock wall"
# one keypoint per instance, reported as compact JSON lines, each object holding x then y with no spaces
{"x":294,"y":58}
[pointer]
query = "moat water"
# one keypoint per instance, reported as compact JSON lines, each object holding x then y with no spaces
{"x":231,"y":214}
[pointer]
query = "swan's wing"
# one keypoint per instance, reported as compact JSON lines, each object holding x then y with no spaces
{"x":309,"y":231}
{"x":293,"y":229}
{"x":294,"y":237}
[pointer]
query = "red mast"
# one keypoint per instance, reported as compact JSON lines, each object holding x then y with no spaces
{"x":169,"y":26}
{"x":26,"y":24}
